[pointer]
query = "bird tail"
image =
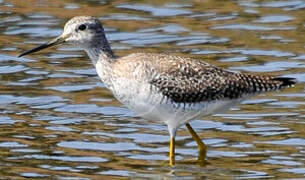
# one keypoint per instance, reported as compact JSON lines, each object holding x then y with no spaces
{"x":258,"y":84}
{"x":285,"y":81}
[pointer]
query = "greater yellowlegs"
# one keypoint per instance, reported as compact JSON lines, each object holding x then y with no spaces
{"x":164,"y":88}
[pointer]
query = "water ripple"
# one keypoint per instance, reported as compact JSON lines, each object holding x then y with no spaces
{"x":252,"y":27}
{"x":156,"y":11}
{"x":63,"y":158}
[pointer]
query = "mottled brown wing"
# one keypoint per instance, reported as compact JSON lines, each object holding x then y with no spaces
{"x":196,"y":82}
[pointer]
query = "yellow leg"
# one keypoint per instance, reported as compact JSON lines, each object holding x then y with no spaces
{"x":201,"y":146}
{"x":172,"y":152}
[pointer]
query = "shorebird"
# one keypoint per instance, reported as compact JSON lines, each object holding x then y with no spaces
{"x":161,"y":87}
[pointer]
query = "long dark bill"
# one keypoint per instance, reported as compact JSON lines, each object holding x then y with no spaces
{"x":56,"y":41}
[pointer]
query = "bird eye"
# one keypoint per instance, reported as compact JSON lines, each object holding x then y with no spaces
{"x":82,"y":27}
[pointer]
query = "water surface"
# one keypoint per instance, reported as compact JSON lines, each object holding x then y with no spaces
{"x":59,"y":122}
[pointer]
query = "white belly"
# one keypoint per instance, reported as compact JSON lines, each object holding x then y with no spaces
{"x":152,"y":105}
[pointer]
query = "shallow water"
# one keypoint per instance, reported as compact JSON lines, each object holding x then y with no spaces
{"x":59,"y":122}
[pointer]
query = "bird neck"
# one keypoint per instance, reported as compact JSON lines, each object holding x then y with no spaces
{"x":102,"y":58}
{"x":100,"y":51}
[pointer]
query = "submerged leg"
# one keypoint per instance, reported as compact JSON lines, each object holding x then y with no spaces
{"x":172,"y":152}
{"x":201,"y":146}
